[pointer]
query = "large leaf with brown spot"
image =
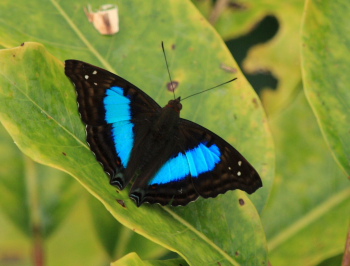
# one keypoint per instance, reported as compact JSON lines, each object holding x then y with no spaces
{"x":38,"y":108}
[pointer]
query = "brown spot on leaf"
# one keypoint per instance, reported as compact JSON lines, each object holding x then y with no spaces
{"x":122,"y":203}
{"x":255,"y":102}
{"x":241,"y":202}
{"x":172,"y":85}
{"x":236,"y":5}
{"x":228,"y":69}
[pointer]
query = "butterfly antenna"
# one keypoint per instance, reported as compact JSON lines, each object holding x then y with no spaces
{"x":208,"y":89}
{"x":167,"y":67}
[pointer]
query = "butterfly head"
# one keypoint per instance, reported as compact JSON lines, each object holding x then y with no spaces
{"x":175,"y":104}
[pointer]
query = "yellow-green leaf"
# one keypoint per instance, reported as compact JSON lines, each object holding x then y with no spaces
{"x":38,"y":108}
{"x":307,"y":216}
{"x":325,"y":67}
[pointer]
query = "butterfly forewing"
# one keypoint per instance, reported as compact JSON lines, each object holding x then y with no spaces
{"x":109,"y":106}
{"x":170,"y":160}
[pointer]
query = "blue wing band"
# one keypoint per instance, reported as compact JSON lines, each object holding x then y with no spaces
{"x":194,"y":162}
{"x":118,"y":113}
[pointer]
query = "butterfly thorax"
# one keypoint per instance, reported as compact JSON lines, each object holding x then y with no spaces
{"x":166,"y":124}
{"x":154,"y":148}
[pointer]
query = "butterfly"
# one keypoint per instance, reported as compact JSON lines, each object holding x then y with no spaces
{"x":169,"y":160}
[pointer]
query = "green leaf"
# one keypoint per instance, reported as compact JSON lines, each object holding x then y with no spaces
{"x":34,"y":197}
{"x":118,"y":240}
{"x":76,"y":238}
{"x":44,"y":119}
{"x":12,"y":185}
{"x":279,"y":56}
{"x":133,"y":259}
{"x":325,"y":67}
{"x":310,"y":195}
{"x":333,"y":261}
{"x":195,"y":53}
{"x":51,"y":132}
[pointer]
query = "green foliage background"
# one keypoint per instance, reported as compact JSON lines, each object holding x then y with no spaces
{"x":304,"y":207}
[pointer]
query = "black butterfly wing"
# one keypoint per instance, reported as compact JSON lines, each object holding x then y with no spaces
{"x":115,"y":113}
{"x":203,"y":164}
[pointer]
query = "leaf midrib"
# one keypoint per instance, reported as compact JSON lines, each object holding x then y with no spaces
{"x":82,"y":37}
{"x":45,"y":112}
{"x":307,"y":219}
{"x":201,"y":235}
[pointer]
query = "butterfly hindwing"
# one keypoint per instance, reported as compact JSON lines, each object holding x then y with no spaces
{"x":113,"y":110}
{"x":203,"y":164}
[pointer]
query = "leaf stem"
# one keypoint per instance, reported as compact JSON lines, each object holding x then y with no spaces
{"x":38,"y":248}
{"x":34,"y":208}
